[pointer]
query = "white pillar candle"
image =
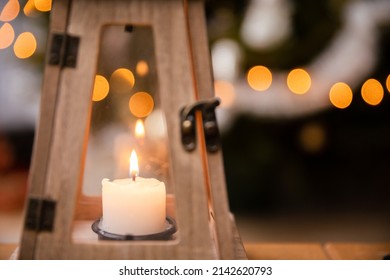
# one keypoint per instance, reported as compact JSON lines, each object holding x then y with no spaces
{"x":135,"y":206}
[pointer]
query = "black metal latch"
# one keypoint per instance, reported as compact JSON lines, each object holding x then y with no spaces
{"x":40,"y":214}
{"x":64,"y":49}
{"x":210,"y":127}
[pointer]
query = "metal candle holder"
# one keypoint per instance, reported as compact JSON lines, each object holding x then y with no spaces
{"x":166,"y":234}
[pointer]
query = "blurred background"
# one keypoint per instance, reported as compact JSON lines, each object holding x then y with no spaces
{"x":304,"y":115}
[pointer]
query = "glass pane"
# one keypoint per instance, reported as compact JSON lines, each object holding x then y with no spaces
{"x":126,"y":111}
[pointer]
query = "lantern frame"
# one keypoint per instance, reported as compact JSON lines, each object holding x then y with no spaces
{"x":206,"y":228}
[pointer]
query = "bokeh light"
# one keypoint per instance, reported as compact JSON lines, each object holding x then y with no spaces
{"x":25,"y":45}
{"x":7,"y":35}
{"x":372,"y":92}
{"x":299,"y":81}
{"x":139,"y":129}
{"x":141,"y":104}
{"x":312,"y":137}
{"x":340,"y":95}
{"x":100,"y":89}
{"x":10,"y":11}
{"x":388,"y":83}
{"x":225,"y":91}
{"x":142,"y":68}
{"x":259,"y":78}
{"x":29,"y":9}
{"x":122,"y":81}
{"x":43,"y":5}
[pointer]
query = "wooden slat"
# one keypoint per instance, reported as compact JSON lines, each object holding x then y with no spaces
{"x":214,"y":168}
{"x":88,"y":208}
{"x":43,"y":136}
{"x":285,"y":251}
{"x":177,"y":90}
{"x":239,"y":250}
{"x":357,"y":251}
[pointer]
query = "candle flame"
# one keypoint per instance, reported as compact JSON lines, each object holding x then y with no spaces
{"x":139,"y":129}
{"x":133,"y":165}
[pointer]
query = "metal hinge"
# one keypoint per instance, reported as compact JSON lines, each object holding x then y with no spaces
{"x":40,"y":214}
{"x":210,"y":127}
{"x":64,"y":49}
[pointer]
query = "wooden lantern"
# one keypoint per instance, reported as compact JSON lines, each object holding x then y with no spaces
{"x":56,"y":206}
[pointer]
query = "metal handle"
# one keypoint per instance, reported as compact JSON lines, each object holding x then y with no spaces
{"x":210,"y":127}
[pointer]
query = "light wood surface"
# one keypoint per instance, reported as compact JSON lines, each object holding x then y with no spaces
{"x":285,"y":251}
{"x":43,"y":139}
{"x":213,"y":164}
{"x":357,"y":251}
{"x":291,"y":251}
{"x":6,"y":250}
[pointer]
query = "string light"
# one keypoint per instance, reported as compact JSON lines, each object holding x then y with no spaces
{"x":43,"y":5}
{"x":141,"y":104}
{"x":340,"y":95}
{"x":142,"y":68}
{"x":100,"y":89}
{"x":25,"y":45}
{"x":299,"y":81}
{"x":122,"y":81}
{"x":10,"y":11}
{"x":7,"y":35}
{"x":259,"y":78}
{"x":29,"y":9}
{"x":372,"y":92}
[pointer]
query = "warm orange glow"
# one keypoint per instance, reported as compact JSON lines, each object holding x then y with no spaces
{"x":142,"y":68}
{"x":100,"y":89}
{"x":122,"y":81}
{"x":225,"y":91}
{"x":7,"y":35}
{"x":299,"y":81}
{"x":340,"y":95}
{"x":372,"y":92}
{"x":259,"y":78}
{"x":10,"y":10}
{"x":133,"y":168}
{"x":29,"y":9}
{"x":25,"y":45}
{"x":312,"y":137}
{"x":43,"y":5}
{"x":139,"y":129}
{"x":141,"y":104}
{"x":388,"y":83}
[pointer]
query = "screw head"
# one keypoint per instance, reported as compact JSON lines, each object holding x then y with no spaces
{"x":186,"y":126}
